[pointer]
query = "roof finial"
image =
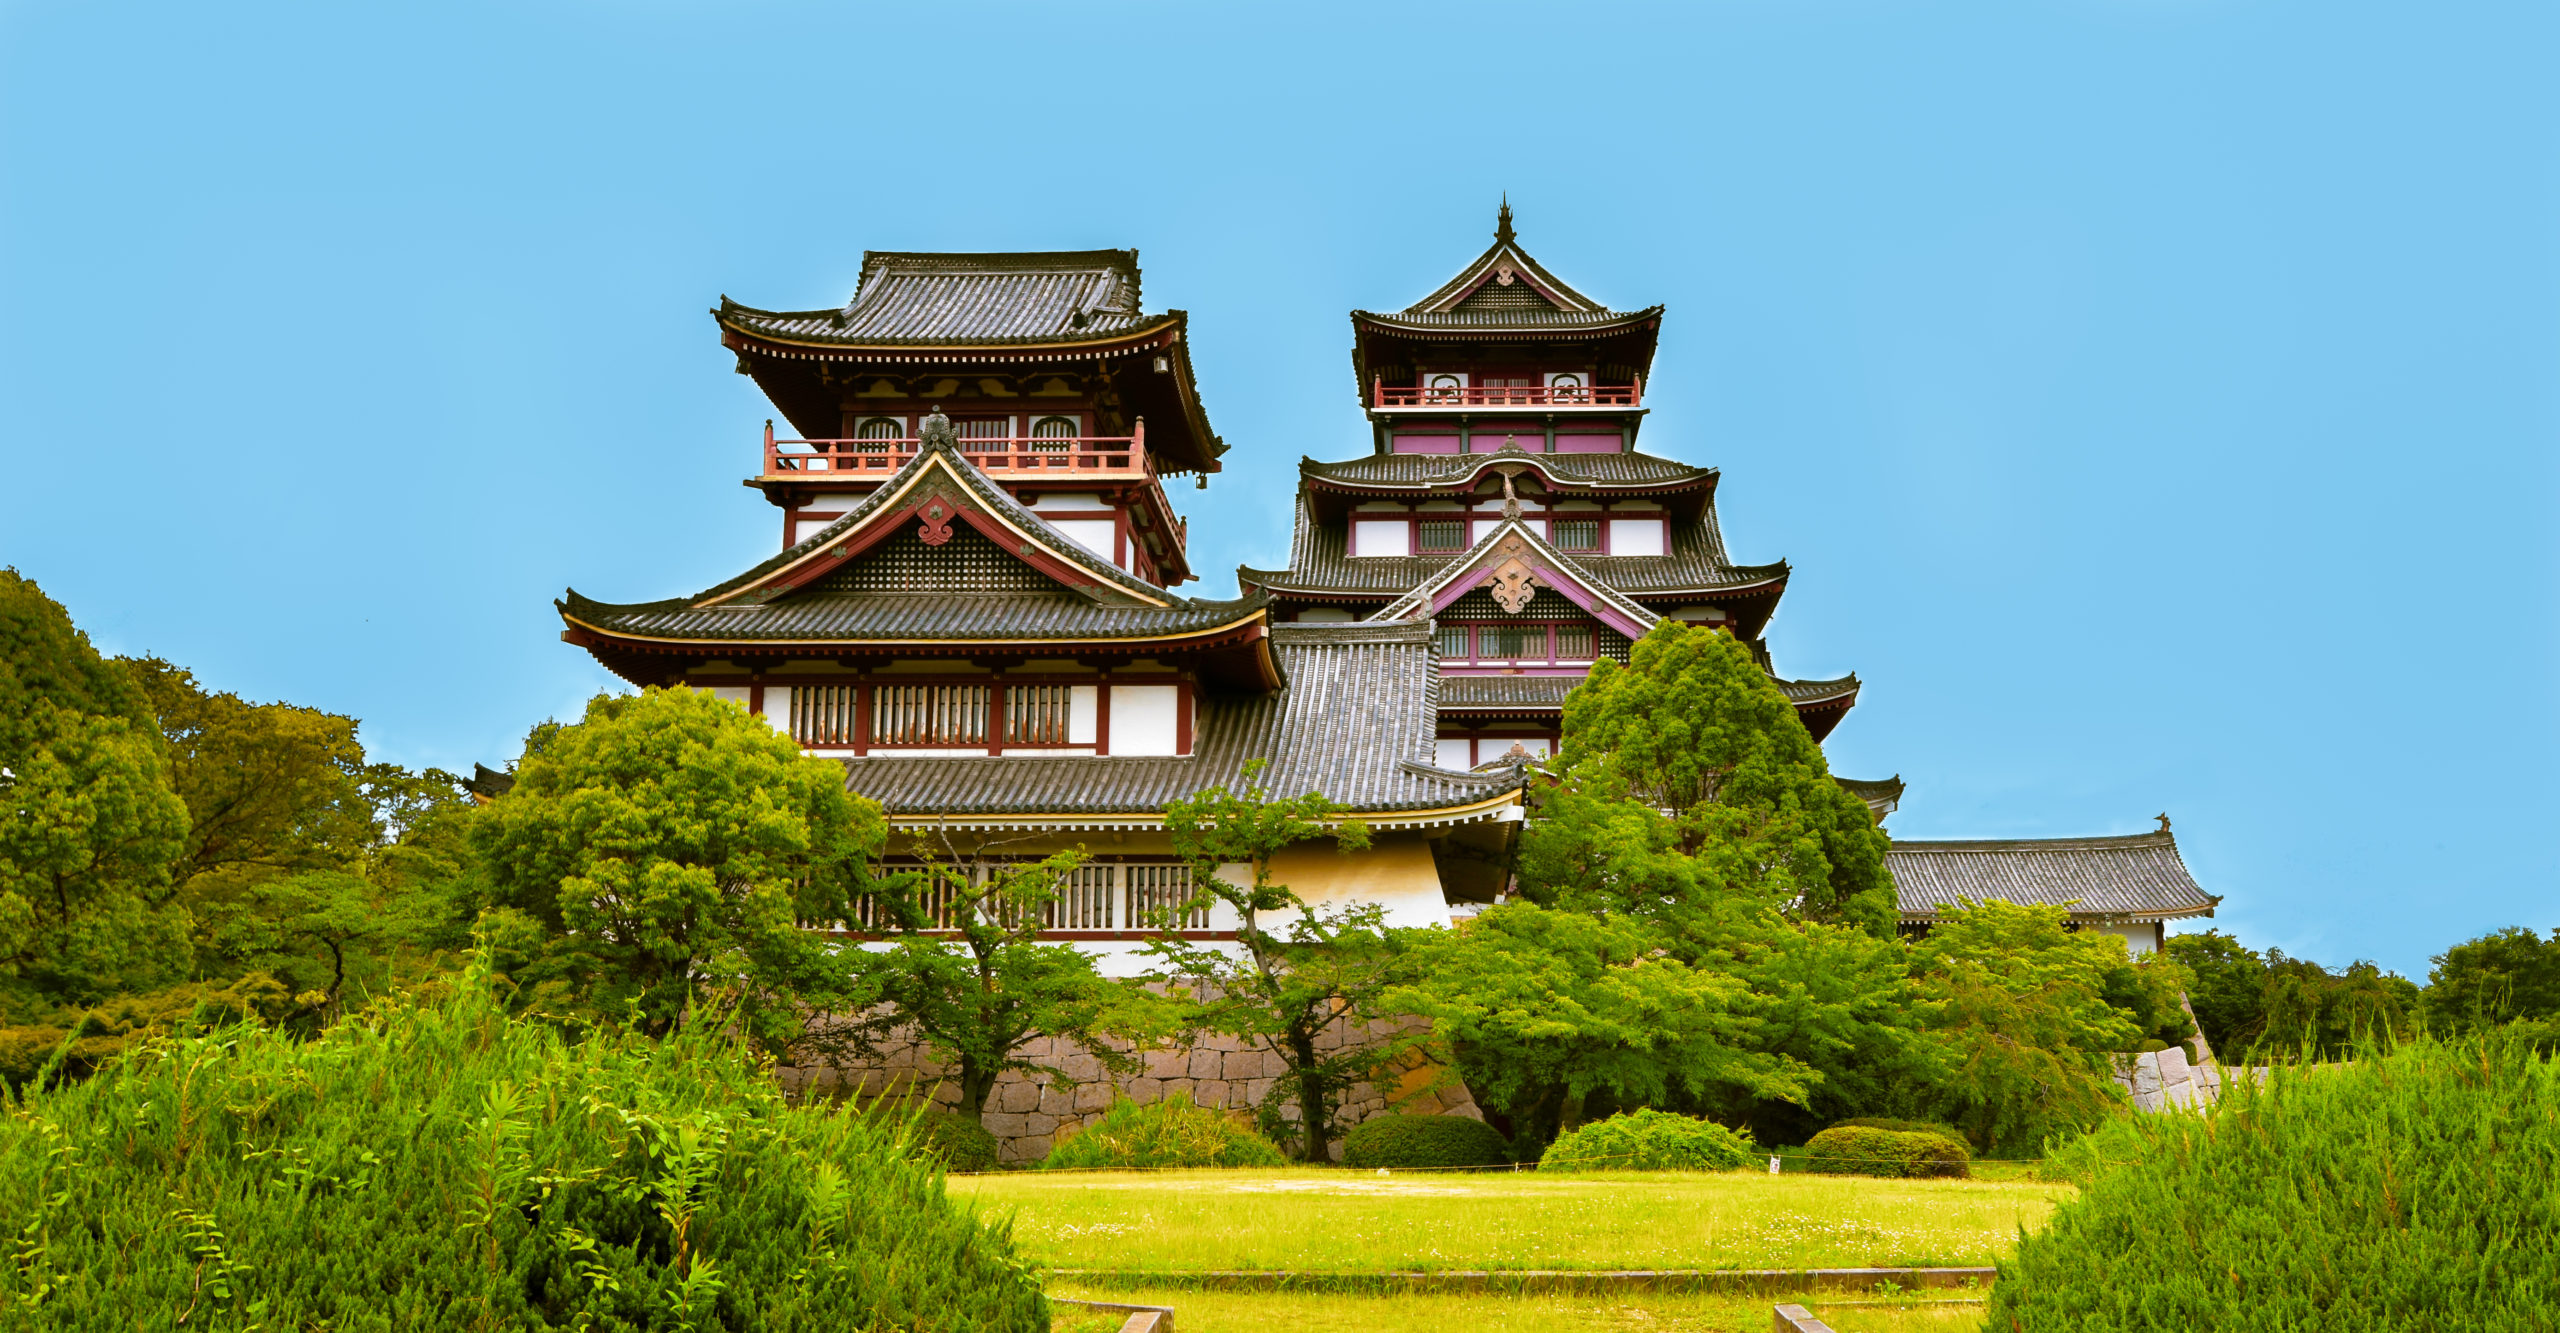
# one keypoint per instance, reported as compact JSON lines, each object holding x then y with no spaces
{"x":1502,"y":221}
{"x":2164,"y":822}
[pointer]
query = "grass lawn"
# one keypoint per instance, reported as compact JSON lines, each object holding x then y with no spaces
{"x":1343,"y":1222}
{"x":1243,"y":1312}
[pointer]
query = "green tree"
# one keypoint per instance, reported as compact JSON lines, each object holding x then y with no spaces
{"x":965,"y":972}
{"x":270,"y":788}
{"x":2021,"y":1015}
{"x":1692,"y":749}
{"x":2501,"y":977}
{"x":1291,"y":994}
{"x":92,"y":824}
{"x":669,"y":849}
{"x":2226,"y":986}
{"x":1542,"y":1008}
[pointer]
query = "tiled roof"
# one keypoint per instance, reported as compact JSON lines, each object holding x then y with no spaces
{"x":2141,"y":875}
{"x":958,"y":299}
{"x":1882,"y":795}
{"x":819,"y":614}
{"x":835,"y":606}
{"x":1355,"y":722}
{"x":1507,"y":321}
{"x":1420,"y":470}
{"x":1466,"y":692}
{"x":1504,"y":289}
{"x":1482,"y":555}
{"x":1319,"y":564}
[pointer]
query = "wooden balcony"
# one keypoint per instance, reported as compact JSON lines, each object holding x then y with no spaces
{"x":1481,"y":397}
{"x":1097,"y":457}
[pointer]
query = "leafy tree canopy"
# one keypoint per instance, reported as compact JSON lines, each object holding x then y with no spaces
{"x":2499,"y":978}
{"x":92,"y":823}
{"x":668,"y":849}
{"x":1697,"y":777}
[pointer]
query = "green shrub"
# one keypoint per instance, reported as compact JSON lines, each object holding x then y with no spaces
{"x":1424,"y":1140}
{"x":2410,"y":1190}
{"x":440,"y":1165}
{"x":1856,"y":1150}
{"x":960,"y":1145}
{"x":1174,"y":1132}
{"x":1649,"y":1140}
{"x":1948,"y":1132}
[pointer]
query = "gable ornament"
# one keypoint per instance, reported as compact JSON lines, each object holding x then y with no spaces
{"x":1511,"y":581}
{"x":936,"y":429}
{"x":937,"y":523}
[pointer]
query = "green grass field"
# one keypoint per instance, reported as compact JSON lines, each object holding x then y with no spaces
{"x":1341,"y":1222}
{"x":1241,"y":1312}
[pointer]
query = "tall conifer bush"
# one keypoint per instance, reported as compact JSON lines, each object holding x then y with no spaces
{"x":441,"y":1165}
{"x":2414,"y":1189}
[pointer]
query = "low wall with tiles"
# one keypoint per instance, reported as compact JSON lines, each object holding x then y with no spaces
{"x":1026,"y":1115}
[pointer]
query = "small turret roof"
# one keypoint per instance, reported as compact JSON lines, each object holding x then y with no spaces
{"x":2140,"y":876}
{"x":1506,"y":289}
{"x":942,"y":300}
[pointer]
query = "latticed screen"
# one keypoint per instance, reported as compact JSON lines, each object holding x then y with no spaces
{"x":822,"y":715}
{"x":968,"y":562}
{"x":1511,"y":641}
{"x":929,"y":714}
{"x":1052,"y":433}
{"x":1036,"y":714}
{"x":983,"y":428}
{"x":1575,"y":643}
{"x":1150,"y":891}
{"x":878,"y":431}
{"x":1576,"y":534}
{"x":1443,"y":535}
{"x":1453,"y":641}
{"x":1085,"y":899}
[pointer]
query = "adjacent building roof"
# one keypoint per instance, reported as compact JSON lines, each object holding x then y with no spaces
{"x":1442,"y":471}
{"x":2140,"y":877}
{"x":1882,"y":795}
{"x":943,"y":300}
{"x":1355,"y":722}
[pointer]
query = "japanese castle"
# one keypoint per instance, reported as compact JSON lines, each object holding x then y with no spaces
{"x":974,"y":607}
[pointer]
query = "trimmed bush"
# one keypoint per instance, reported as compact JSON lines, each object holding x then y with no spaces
{"x":434,"y":1165}
{"x":1175,"y":1132}
{"x":2410,"y":1190}
{"x":956,"y":1143}
{"x":1649,"y":1140}
{"x":1854,"y":1150}
{"x":1424,"y":1140}
{"x":1948,"y":1132}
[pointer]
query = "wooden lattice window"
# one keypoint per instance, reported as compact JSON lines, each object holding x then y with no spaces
{"x":876,"y":433}
{"x":929,"y":715}
{"x":1037,"y":714}
{"x":822,"y":715}
{"x":1576,"y":643}
{"x":1443,"y":536}
{"x":1453,"y":641}
{"x":1150,"y":891}
{"x":1052,"y":433}
{"x":1575,"y":534}
{"x":1085,"y":899}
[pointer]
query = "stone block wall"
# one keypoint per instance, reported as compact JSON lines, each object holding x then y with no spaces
{"x":1028,"y":1116}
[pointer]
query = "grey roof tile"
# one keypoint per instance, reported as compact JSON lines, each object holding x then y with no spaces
{"x":959,"y":299}
{"x":819,"y":614}
{"x":1318,"y":563}
{"x":2141,"y":875}
{"x":1490,"y":692}
{"x":1425,"y":470}
{"x":1355,"y":722}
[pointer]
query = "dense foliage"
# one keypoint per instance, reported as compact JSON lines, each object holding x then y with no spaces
{"x":1174,"y":1132}
{"x":1864,"y":1150}
{"x":443,"y":1165}
{"x":1423,"y":1140}
{"x":1649,"y":1140}
{"x":2255,"y":1006}
{"x":668,"y":853}
{"x":1948,"y":1132}
{"x":2411,"y":1189}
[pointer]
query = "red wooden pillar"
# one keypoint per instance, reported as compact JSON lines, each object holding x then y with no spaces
{"x":995,"y":714}
{"x":1102,"y":713}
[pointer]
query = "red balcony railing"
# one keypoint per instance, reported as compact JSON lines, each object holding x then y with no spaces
{"x":1520,"y":395}
{"x":1121,"y":455}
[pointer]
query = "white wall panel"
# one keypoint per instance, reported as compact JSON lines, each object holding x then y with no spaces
{"x":1635,"y":536}
{"x":1380,"y":537}
{"x":777,"y":707}
{"x":1083,"y":708}
{"x":736,"y":694}
{"x":1093,"y":534}
{"x":1453,"y":754}
{"x":1144,"y":719}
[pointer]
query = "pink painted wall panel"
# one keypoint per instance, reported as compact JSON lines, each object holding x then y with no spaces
{"x":1590,"y":444}
{"x":1426,"y":444}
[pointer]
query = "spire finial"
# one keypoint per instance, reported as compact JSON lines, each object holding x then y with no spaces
{"x":1502,"y":221}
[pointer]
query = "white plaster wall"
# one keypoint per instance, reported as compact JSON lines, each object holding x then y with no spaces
{"x":1452,"y":754}
{"x":1635,"y":536}
{"x":2139,"y":939}
{"x":1396,"y":873}
{"x":1477,"y":530}
{"x":1070,"y":500}
{"x":736,"y":694}
{"x":1376,"y":537}
{"x":1093,"y":534}
{"x":777,"y":707}
{"x":804,"y":529}
{"x":1143,"y":719}
{"x":1083,"y":707}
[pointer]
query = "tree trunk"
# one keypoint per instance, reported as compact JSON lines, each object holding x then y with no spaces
{"x":976,"y":1085}
{"x":1313,"y":1110}
{"x":1569,"y":1115}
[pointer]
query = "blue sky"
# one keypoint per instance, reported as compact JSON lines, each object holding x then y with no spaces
{"x":2158,"y":401}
